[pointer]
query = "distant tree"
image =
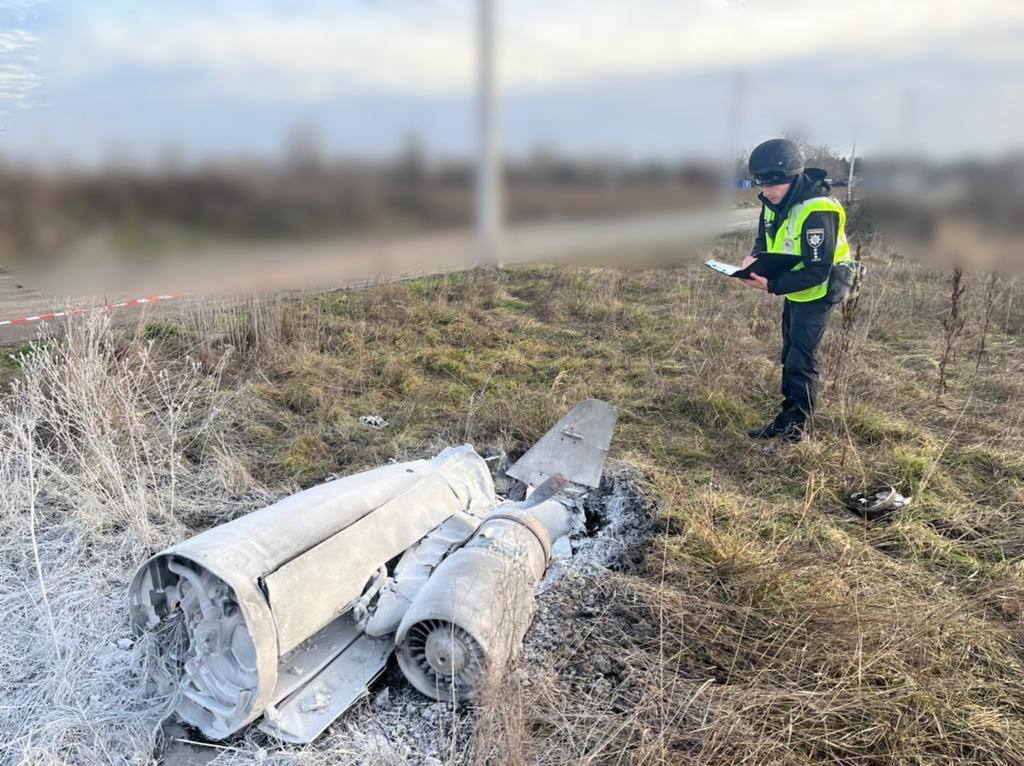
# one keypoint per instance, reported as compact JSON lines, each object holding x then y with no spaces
{"x":170,"y":159}
{"x":743,"y":164}
{"x":303,"y":149}
{"x":819,"y":155}
{"x":411,"y":164}
{"x":542,"y":163}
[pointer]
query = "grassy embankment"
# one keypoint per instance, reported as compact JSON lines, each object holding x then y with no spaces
{"x":767,"y":624}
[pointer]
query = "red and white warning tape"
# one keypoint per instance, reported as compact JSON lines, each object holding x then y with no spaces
{"x":106,"y":307}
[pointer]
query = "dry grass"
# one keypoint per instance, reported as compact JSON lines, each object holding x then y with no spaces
{"x":766,"y":625}
{"x":95,"y":473}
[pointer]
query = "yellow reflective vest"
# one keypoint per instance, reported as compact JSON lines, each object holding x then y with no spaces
{"x":789,"y":235}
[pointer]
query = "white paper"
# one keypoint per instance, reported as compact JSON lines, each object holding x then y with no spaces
{"x":724,"y":268}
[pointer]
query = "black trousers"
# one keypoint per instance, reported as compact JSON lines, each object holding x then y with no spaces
{"x":803,"y":326}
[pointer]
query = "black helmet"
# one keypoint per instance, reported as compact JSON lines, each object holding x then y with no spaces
{"x":776,"y":162}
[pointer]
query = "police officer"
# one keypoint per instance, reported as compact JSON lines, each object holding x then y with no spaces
{"x":798,"y":217}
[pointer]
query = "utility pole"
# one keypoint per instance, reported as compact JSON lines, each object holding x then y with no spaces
{"x":849,"y":180}
{"x":488,"y":170}
{"x":735,"y":117}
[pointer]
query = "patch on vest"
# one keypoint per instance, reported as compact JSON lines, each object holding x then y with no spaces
{"x":815,"y":238}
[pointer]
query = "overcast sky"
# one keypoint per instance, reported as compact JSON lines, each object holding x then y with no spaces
{"x":82,"y":79}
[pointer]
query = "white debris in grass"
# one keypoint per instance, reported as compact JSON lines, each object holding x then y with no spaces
{"x":376,"y":422}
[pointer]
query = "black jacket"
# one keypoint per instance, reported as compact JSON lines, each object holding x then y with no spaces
{"x":817,"y":261}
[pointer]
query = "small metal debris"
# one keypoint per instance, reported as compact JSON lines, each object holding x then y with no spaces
{"x":876,"y":503}
{"x":376,"y":422}
{"x":381,"y":699}
{"x":316,"y":703}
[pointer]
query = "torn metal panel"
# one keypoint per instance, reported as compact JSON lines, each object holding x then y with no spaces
{"x":299,"y":666}
{"x":303,"y":717}
{"x":469,"y":478}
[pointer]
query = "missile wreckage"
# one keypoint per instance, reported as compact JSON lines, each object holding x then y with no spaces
{"x":289,"y":613}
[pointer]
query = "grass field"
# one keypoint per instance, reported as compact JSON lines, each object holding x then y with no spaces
{"x":766,"y":624}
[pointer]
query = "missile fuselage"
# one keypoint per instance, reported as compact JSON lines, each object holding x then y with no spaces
{"x":290,"y":612}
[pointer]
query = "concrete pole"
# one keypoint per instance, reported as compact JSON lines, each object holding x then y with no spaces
{"x":735,"y":117}
{"x":488,"y":172}
{"x":849,"y":180}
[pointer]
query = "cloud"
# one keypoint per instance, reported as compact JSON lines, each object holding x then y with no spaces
{"x":268,"y":56}
{"x":680,"y":37}
{"x":309,"y":51}
{"x":19,"y":79}
{"x":20,"y":10}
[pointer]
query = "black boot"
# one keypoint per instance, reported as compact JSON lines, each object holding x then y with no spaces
{"x":771,"y":430}
{"x":792,"y":433}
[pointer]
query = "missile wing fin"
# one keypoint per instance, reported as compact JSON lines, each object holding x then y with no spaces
{"x":576,"y":447}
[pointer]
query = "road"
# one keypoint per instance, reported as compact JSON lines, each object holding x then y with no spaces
{"x":244,"y":269}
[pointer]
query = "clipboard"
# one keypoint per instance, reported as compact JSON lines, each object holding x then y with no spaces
{"x":768,"y":265}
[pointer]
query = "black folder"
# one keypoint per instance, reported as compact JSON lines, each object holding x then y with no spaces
{"x":767,"y":265}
